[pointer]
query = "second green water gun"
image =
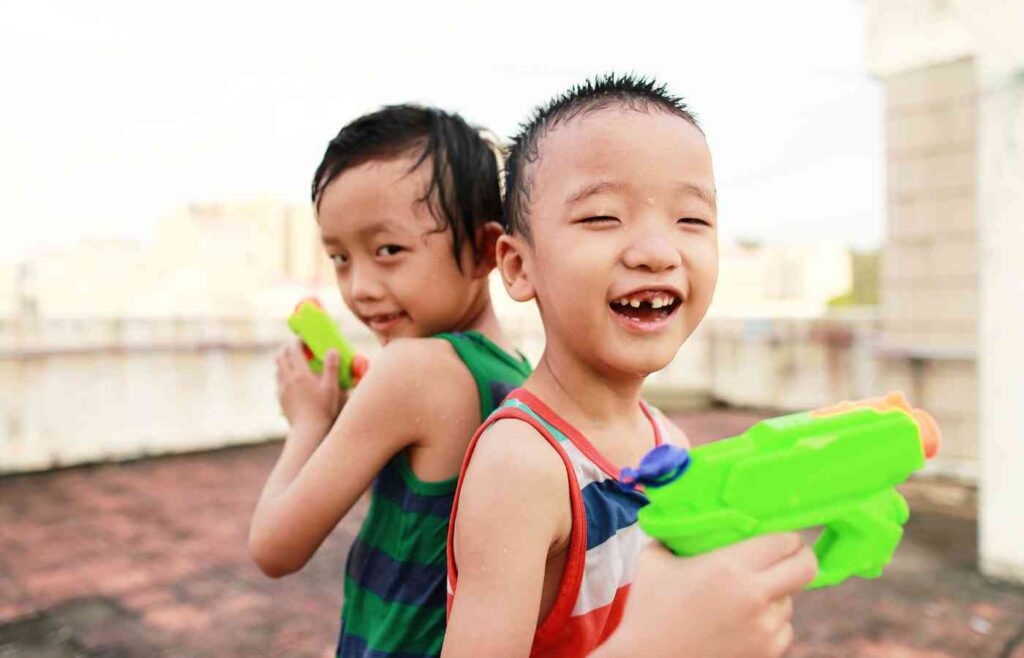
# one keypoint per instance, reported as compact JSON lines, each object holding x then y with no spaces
{"x":835,"y":468}
{"x":319,"y":333}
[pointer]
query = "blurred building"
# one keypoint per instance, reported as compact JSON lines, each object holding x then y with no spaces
{"x":209,"y":260}
{"x":952,"y":288}
{"x":8,"y":289}
{"x":117,"y":349}
{"x":244,"y":258}
{"x":796,"y":280}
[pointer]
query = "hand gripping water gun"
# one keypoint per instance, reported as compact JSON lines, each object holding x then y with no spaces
{"x":835,"y":467}
{"x":319,"y":333}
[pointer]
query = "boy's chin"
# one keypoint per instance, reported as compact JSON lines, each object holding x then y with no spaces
{"x":642,"y":362}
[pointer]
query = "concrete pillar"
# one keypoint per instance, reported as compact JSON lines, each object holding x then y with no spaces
{"x":1001,"y":322}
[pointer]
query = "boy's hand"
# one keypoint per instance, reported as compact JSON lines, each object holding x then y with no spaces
{"x":307,"y":399}
{"x":732,"y":603}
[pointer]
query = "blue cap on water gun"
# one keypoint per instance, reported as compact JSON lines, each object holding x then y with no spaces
{"x":660,"y":466}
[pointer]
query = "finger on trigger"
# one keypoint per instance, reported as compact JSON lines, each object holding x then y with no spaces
{"x":764,"y":551}
{"x":790,"y":575}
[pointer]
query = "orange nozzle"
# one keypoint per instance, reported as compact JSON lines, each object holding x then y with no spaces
{"x":311,"y":300}
{"x":931,"y":436}
{"x":894,"y":400}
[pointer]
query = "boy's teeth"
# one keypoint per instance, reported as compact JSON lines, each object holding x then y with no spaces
{"x":656,"y":300}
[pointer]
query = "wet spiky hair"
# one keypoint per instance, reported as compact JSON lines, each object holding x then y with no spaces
{"x":463,"y":193}
{"x":637,"y":93}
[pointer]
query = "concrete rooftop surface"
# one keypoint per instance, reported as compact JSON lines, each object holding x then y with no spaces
{"x":149,"y":559}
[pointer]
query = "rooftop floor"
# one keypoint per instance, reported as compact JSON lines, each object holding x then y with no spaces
{"x":149,"y":559}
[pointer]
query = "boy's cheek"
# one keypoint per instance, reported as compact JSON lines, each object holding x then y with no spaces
{"x":703,"y":279}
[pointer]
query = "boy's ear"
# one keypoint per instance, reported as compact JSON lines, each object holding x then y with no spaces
{"x":486,"y":240}
{"x":512,"y":253}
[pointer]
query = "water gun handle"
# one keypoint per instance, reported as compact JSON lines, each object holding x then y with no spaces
{"x":862,"y":542}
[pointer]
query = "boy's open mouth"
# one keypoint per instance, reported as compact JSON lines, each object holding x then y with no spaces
{"x":383,"y":321}
{"x":646,"y":305}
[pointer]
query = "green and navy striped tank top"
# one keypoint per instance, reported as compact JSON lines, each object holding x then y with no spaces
{"x":395,"y":574}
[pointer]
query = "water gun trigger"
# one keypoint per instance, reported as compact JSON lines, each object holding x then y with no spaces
{"x":863,"y":542}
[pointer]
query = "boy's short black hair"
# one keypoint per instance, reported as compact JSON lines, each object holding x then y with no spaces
{"x":463,"y":193}
{"x":637,"y":93}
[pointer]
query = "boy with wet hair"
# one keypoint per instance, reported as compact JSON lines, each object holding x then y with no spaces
{"x":610,"y":202}
{"x":409,"y":209}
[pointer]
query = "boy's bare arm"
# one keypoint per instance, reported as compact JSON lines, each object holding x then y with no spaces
{"x":314,"y":483}
{"x":513,"y":507}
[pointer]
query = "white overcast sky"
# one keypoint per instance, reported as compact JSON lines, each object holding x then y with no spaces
{"x":116,"y":112}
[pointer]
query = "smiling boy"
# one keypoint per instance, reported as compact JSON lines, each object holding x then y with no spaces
{"x":613,"y":231}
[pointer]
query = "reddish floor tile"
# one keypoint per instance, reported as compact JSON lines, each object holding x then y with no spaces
{"x":162,"y":543}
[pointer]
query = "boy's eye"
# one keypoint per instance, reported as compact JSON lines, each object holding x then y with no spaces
{"x":693,"y":221}
{"x":339,"y":259}
{"x":389,"y":250}
{"x":599,"y":220}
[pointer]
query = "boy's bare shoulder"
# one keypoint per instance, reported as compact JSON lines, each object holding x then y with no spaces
{"x":519,"y":450}
{"x":514,"y":452}
{"x":420,"y":362}
{"x":419,"y":376}
{"x":417,"y":351}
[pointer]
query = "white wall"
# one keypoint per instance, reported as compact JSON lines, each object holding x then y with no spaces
{"x":87,"y":390}
{"x":79,"y":391}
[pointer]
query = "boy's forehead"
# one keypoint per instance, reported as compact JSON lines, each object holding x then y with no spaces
{"x":377,"y":195}
{"x":622,"y":142}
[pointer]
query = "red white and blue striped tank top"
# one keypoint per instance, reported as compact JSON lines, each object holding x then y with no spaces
{"x":605,"y":542}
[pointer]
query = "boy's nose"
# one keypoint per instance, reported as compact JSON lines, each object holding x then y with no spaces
{"x":653,"y":253}
{"x":365,"y":287}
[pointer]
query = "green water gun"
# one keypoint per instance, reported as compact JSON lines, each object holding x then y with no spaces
{"x":319,"y":334}
{"x":835,"y":468}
